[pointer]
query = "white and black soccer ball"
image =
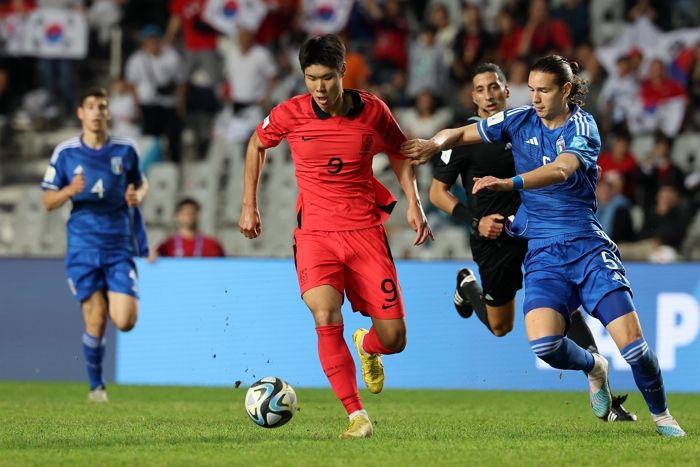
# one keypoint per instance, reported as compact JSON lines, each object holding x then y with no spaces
{"x":270,"y":402}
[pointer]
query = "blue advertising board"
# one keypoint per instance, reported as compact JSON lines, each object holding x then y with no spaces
{"x":218,"y":321}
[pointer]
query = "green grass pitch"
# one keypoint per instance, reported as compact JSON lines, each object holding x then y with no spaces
{"x":53,"y":424}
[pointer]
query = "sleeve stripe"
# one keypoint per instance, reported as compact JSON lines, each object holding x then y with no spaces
{"x":516,"y":110}
{"x":482,"y":133}
{"x":70,"y":143}
{"x":49,"y":186}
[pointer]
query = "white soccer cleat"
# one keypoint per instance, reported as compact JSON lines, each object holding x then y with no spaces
{"x":98,"y":395}
{"x":598,"y":388}
{"x":667,"y":426}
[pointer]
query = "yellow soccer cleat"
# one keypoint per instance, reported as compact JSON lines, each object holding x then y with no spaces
{"x":359,"y":427}
{"x":372,"y":367}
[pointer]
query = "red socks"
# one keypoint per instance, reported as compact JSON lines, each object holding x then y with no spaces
{"x":371,"y":344}
{"x":338,"y":365}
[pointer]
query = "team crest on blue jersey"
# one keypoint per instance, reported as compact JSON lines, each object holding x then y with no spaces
{"x":561,"y":144}
{"x":117,"y":166}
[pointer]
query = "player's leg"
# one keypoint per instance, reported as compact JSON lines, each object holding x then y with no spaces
{"x":320,"y":274}
{"x":581,"y":334}
{"x":371,"y":284}
{"x":87,"y":282}
{"x":626,"y":331}
{"x":95,"y":316}
{"x":500,"y":270}
{"x":324,"y":302}
{"x":122,"y":286}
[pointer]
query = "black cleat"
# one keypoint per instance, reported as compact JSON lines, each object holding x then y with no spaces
{"x":618,"y":413}
{"x":465,"y":278}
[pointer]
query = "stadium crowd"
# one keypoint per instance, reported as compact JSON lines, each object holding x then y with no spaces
{"x":190,"y":79}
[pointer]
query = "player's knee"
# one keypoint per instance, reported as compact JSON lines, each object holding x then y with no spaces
{"x":125,"y":323}
{"x":396,"y":341}
{"x":546,"y":348}
{"x":501,"y":328}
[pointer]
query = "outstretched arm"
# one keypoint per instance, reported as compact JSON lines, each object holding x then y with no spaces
{"x":406,"y":175}
{"x":422,"y":150}
{"x":549,"y":174}
{"x":249,"y":221}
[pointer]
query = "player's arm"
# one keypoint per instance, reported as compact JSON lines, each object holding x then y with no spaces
{"x":549,"y":174}
{"x":54,"y":199}
{"x":422,"y":150}
{"x":249,"y":221}
{"x":406,"y":175}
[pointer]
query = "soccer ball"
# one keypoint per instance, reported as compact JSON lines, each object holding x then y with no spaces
{"x":270,"y":402}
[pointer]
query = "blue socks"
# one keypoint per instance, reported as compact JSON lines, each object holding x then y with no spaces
{"x":562,"y":353}
{"x":94,"y":350}
{"x":647,"y":375}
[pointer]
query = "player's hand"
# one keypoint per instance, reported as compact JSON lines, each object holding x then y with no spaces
{"x":77,"y":184}
{"x":419,"y":224}
{"x":132,"y":197}
{"x":492,"y":183}
{"x":420,"y":150}
{"x":491,"y":226}
{"x":249,"y":223}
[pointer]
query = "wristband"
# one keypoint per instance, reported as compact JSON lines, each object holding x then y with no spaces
{"x":518,"y":183}
{"x":461,"y":212}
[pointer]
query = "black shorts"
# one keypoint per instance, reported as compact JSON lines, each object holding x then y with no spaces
{"x":500,"y":267}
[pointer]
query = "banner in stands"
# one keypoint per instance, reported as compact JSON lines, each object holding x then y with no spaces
{"x":45,"y":33}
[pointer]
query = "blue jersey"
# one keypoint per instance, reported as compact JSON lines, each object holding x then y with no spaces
{"x":100,"y":218}
{"x":559,"y":209}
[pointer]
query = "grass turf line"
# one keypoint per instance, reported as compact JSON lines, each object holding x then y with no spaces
{"x":53,"y":424}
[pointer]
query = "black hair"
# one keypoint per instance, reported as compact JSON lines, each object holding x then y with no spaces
{"x":95,"y":91}
{"x":187,"y":202}
{"x":488,"y":67}
{"x":327,"y":50}
{"x":564,"y":72}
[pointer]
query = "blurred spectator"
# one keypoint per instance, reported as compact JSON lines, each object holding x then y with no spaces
{"x":663,"y":230}
{"x":188,"y":241}
{"x":590,"y":70}
{"x":8,"y":104}
{"x":390,"y":50}
{"x":471,"y":43}
{"x":657,"y":170}
{"x":543,"y":34}
{"x":445,"y":31}
{"x":427,"y":68}
{"x":509,"y":36}
{"x":463,"y":107}
{"x":575,"y":13}
{"x":518,"y":73}
{"x":124,"y":108}
{"x":426,"y":118}
{"x":200,"y":40}
{"x":618,"y":95}
{"x":356,"y":69}
{"x":156,"y":73}
{"x":58,"y":74}
{"x":251,"y":72}
{"x":102,"y":16}
{"x":692,"y":119}
{"x":614,"y":208}
{"x":619,"y":160}
{"x":663,"y":102}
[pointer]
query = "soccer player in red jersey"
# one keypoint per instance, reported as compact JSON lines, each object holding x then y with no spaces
{"x":340,"y":246}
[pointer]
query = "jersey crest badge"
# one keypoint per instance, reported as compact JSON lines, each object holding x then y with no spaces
{"x":560,"y":145}
{"x":366,"y":143}
{"x":117,"y":166}
{"x":50,"y":174}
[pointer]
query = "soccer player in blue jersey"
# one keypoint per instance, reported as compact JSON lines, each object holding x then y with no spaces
{"x":570,"y":260}
{"x":100,"y":174}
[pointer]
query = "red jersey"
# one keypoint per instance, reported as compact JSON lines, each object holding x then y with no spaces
{"x":333,"y":159}
{"x":197,"y":247}
{"x":197,"y":34}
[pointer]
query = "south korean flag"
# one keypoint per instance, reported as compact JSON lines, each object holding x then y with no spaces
{"x":56,"y":33}
{"x":326,"y":16}
{"x":226,"y":16}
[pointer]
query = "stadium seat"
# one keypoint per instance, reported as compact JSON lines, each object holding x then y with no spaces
{"x":690,"y":249}
{"x":30,"y":221}
{"x":686,"y":152}
{"x":641,"y":145}
{"x":159,"y":205}
{"x":201,"y":182}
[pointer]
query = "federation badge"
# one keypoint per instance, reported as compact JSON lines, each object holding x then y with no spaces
{"x":117,"y":166}
{"x":366,"y":143}
{"x":561,"y":144}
